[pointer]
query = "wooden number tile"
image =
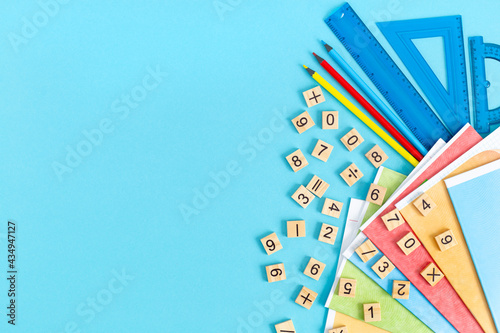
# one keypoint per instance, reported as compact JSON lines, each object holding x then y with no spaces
{"x":275,"y":273}
{"x":401,"y":289}
{"x":271,"y":243}
{"x":332,"y":208}
{"x":432,"y":274}
{"x":317,"y":186}
{"x":330,"y":120}
{"x":366,"y":251}
{"x":341,"y":329}
{"x":376,"y":156}
{"x":408,"y":243}
{"x":347,"y":287}
{"x":302,"y":196}
{"x":313,"y":96}
{"x":303,"y":122}
{"x":383,"y":267}
{"x":424,"y":204}
{"x":351,"y":175}
{"x":285,"y":327}
{"x":328,"y":233}
{"x":352,"y":139}
{"x":376,"y":194}
{"x":306,"y":298}
{"x":322,"y":150}
{"x":446,"y":240}
{"x":314,"y":269}
{"x":296,"y":228}
{"x":372,"y":312}
{"x":393,"y":219}
{"x":297,"y":160}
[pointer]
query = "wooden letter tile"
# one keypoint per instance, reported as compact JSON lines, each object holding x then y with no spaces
{"x":296,"y":228}
{"x":275,"y":273}
{"x":313,"y":96}
{"x":366,"y":251}
{"x":351,"y":175}
{"x":302,"y":196}
{"x":383,"y":267}
{"x":306,"y":298}
{"x":432,"y":274}
{"x":393,"y":219}
{"x":341,"y":329}
{"x":372,"y":312}
{"x":446,"y":240}
{"x":352,"y":139}
{"x":330,"y":120}
{"x":317,"y":186}
{"x":271,"y":243}
{"x":376,"y":156}
{"x":314,"y":269}
{"x":322,"y":150}
{"x":376,"y":194}
{"x":401,"y":289}
{"x":328,"y":233}
{"x":297,"y":160}
{"x":285,"y":327}
{"x":408,"y":243}
{"x":332,"y":208}
{"x":424,"y":204}
{"x":303,"y":122}
{"x":347,"y":287}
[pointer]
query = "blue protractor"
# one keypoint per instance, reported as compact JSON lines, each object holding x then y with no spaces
{"x":386,"y":76}
{"x":479,"y":52}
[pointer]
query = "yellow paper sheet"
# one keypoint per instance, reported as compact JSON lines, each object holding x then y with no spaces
{"x":355,"y":325}
{"x":456,"y":262}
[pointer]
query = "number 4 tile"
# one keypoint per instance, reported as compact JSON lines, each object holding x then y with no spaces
{"x":332,"y":208}
{"x":424,"y":204}
{"x":322,"y":150}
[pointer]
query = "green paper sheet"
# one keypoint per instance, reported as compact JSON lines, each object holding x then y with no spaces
{"x":395,"y":317}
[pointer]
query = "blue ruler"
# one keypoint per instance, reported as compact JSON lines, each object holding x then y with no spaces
{"x":386,"y":76}
{"x":479,"y":51}
{"x":452,"y":104}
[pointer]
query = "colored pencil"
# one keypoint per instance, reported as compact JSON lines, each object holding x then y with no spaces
{"x":386,"y":111}
{"x":363,"y":117}
{"x":368,"y":107}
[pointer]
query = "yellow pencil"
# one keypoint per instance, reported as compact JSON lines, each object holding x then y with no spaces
{"x":363,"y":117}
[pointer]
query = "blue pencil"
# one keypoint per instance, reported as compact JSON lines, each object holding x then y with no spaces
{"x":386,"y":111}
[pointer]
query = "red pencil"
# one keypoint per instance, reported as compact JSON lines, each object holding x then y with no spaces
{"x":361,"y":100}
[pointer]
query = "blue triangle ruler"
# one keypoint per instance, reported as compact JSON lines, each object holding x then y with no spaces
{"x":386,"y":75}
{"x":479,"y":52}
{"x":451,"y":104}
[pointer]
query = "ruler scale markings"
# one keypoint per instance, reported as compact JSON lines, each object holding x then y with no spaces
{"x":402,"y":97}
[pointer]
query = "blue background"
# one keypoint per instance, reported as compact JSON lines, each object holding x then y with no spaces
{"x":228,"y":73}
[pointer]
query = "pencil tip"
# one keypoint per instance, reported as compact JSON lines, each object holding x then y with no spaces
{"x":320,"y":60}
{"x":327,"y":47}
{"x":310,"y":71}
{"x":322,"y":41}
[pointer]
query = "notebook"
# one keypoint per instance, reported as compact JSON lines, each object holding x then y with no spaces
{"x":476,"y":198}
